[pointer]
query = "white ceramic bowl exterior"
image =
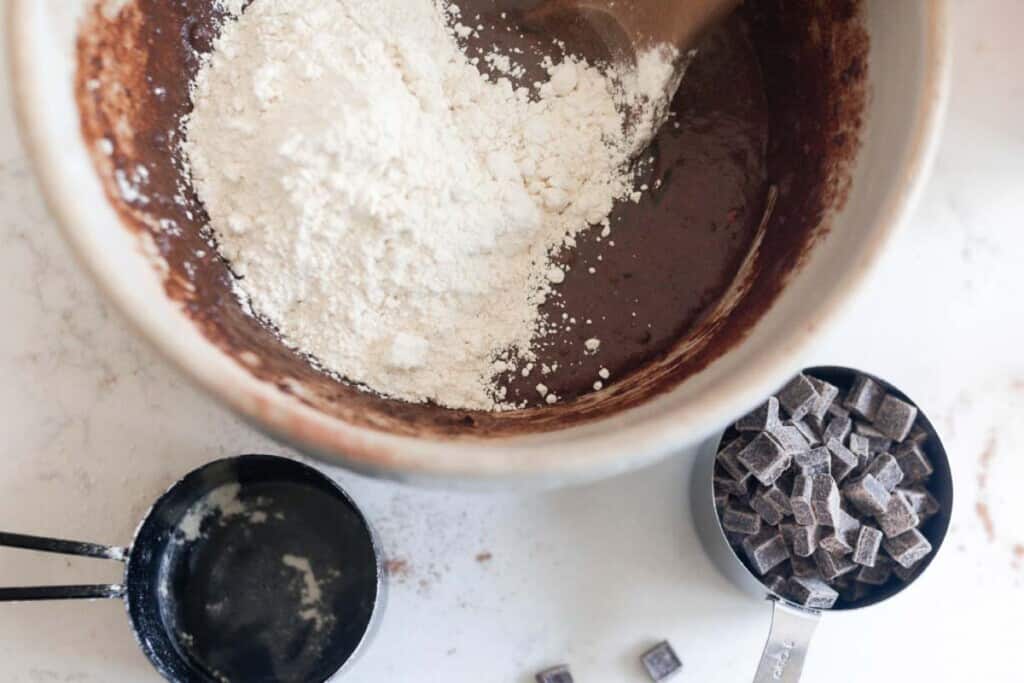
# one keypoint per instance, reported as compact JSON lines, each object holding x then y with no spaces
{"x":908,"y":88}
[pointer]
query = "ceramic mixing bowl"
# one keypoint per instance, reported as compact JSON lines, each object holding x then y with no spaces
{"x":906,"y":89}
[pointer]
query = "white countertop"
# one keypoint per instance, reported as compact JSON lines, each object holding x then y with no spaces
{"x":95,"y":426}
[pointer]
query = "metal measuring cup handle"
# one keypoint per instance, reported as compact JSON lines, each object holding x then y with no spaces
{"x":62,"y":547}
{"x":793,"y":625}
{"x":788,"y":640}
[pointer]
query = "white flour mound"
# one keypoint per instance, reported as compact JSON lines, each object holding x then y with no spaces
{"x":391,"y":210}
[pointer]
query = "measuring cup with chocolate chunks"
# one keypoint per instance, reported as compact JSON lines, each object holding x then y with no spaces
{"x":833,"y":494}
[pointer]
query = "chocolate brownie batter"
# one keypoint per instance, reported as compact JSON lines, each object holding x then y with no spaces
{"x":770,"y":107}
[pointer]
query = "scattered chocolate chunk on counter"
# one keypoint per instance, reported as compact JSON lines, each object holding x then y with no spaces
{"x":661,"y":662}
{"x":556,"y":674}
{"x":822,"y":490}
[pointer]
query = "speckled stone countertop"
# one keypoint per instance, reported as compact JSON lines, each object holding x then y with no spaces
{"x":493,"y":588}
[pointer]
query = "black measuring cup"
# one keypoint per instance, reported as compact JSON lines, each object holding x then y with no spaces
{"x":793,"y":625}
{"x":255,"y":568}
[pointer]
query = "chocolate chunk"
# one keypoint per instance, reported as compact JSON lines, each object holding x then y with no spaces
{"x":762,"y":418}
{"x":787,"y":529}
{"x":834,"y":544}
{"x":906,"y":575}
{"x":811,"y":592}
{"x":899,"y":517}
{"x":878,"y":574}
{"x":912,"y":460}
{"x":735,"y":539}
{"x":818,"y":425}
{"x":661,"y":661}
{"x":849,"y":527}
{"x":894,"y":418}
{"x":854,"y":591}
{"x":861,"y":447}
{"x":843,"y":538}
{"x":886,"y":470}
{"x":868,"y":542}
{"x":921,"y":502}
{"x":772,"y":504}
{"x":867,"y":495}
{"x":801,"y":500}
{"x":765,"y":459}
{"x":877,"y":442}
{"x":843,"y":460}
{"x":810,"y":433}
{"x":845,"y":586}
{"x":837,"y":410}
{"x":918,"y":434}
{"x":865,"y":397}
{"x":832,"y":566}
{"x":721,"y":501}
{"x":776,"y":583}
{"x":790,"y":438}
{"x":803,"y":566}
{"x":785,"y":480}
{"x":798,"y":397}
{"x":824,"y":500}
{"x":908,"y":548}
{"x":729,"y":460}
{"x":769,"y":513}
{"x":815,"y":461}
{"x":804,"y":540}
{"x":838,"y":428}
{"x":766,"y":550}
{"x":557,"y":674}
{"x":827,"y":394}
{"x":730,"y":487}
{"x":740,"y":521}
{"x":776,"y":497}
